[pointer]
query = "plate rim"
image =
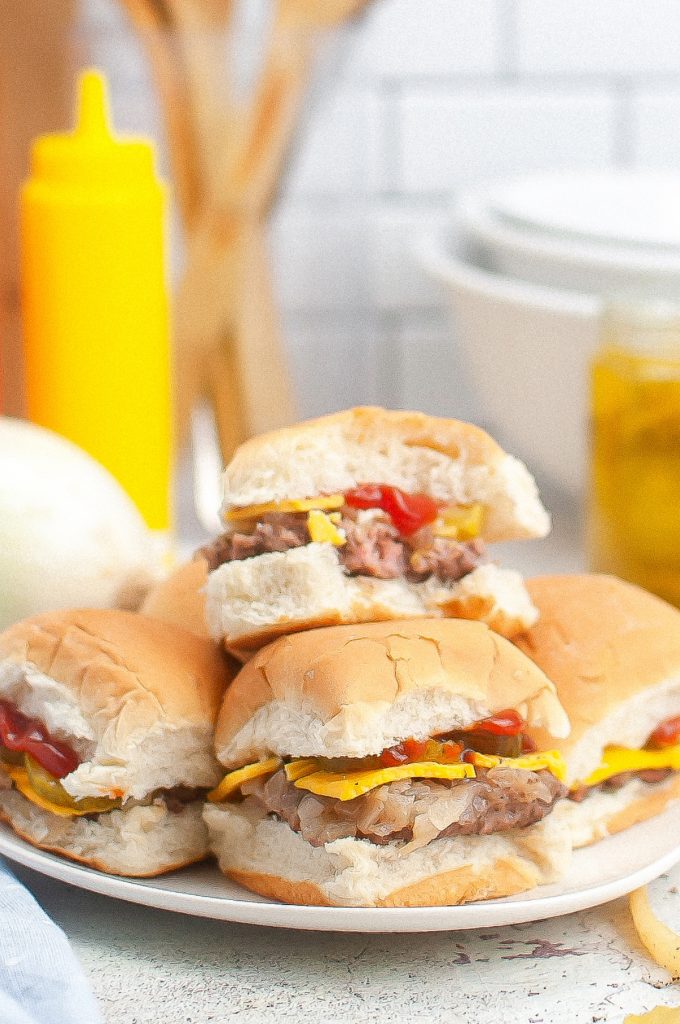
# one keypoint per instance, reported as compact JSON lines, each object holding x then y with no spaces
{"x":268,"y":913}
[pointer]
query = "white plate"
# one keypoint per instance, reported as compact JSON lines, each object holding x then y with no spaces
{"x":601,"y":873}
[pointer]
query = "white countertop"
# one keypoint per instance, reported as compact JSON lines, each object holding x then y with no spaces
{"x":155,"y":967}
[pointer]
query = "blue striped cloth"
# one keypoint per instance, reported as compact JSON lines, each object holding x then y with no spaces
{"x":41,"y":981}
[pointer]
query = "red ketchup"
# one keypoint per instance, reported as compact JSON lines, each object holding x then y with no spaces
{"x":411,"y":750}
{"x":408,"y":512}
{"x":665,"y":735}
{"x":29,"y":736}
{"x":504,"y":723}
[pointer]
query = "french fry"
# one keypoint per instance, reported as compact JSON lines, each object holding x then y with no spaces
{"x":662,"y":943}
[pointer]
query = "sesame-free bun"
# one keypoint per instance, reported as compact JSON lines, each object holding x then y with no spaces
{"x":255,"y":600}
{"x":613,"y":652}
{"x":140,"y":842}
{"x":179,"y":599}
{"x":350,"y":691}
{"x":135,"y":697}
{"x":606,"y":812}
{"x":453,"y":462}
{"x":268,"y":857}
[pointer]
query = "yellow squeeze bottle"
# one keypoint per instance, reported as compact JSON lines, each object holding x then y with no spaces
{"x":95,"y":301}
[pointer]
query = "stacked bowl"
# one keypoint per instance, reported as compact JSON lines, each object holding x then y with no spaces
{"x":528,"y":268}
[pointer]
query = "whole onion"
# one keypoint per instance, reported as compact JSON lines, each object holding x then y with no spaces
{"x":70,"y":537}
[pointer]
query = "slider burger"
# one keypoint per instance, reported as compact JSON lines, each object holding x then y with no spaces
{"x":386,"y":764}
{"x":613,"y":651}
{"x":368,"y":515}
{"x":106,"y":728}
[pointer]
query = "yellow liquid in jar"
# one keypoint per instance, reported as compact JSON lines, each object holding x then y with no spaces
{"x":634,"y":514}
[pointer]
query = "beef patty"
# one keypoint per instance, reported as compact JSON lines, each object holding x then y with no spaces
{"x":413,"y":810}
{"x":374,"y":547}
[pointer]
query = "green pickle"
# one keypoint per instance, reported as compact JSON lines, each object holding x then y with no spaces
{"x":634,"y":512}
{"x":51,"y":789}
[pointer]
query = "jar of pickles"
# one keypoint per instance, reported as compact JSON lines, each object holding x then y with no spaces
{"x":634,"y":502}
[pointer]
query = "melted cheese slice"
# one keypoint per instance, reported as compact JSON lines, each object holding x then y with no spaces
{"x":19,"y":777}
{"x":348,"y":785}
{"x":308,"y":773}
{"x":233,"y":780}
{"x":551,"y":760}
{"x":323,"y":530}
{"x":616,"y":760}
{"x":296,"y":769}
{"x":460,"y":522}
{"x":322,"y":501}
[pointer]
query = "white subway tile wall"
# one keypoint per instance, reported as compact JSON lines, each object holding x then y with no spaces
{"x":430,"y":97}
{"x":455,"y":141}
{"x":619,"y":37}
{"x":655,"y":128}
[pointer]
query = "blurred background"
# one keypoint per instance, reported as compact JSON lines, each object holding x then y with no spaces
{"x":416,"y":106}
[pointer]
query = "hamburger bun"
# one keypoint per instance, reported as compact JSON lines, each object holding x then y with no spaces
{"x":179,"y":599}
{"x":452,"y":461}
{"x":267,"y":857}
{"x":351,"y":691}
{"x":137,"y":700}
{"x":253,"y":601}
{"x":613,"y":652}
{"x":140,"y":842}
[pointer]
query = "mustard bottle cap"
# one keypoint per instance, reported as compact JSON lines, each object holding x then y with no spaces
{"x":92,"y":155}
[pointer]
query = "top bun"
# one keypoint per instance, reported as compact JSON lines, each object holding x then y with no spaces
{"x":451,"y":461}
{"x":613,"y":651}
{"x":350,"y":691}
{"x":135,"y":697}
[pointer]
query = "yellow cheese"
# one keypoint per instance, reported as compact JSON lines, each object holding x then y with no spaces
{"x":460,"y":522}
{"x":233,"y":780}
{"x":322,"y":530}
{"x":322,"y":501}
{"x":551,"y":760}
{"x":616,"y":760}
{"x":19,"y":777}
{"x":348,"y":785}
{"x":296,"y":769}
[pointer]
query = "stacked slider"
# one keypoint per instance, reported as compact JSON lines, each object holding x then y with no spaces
{"x":368,"y":515}
{"x":376,"y":752}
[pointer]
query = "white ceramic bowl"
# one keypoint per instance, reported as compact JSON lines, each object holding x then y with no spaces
{"x":527,"y":350}
{"x":624,"y":207}
{"x":603,"y":268}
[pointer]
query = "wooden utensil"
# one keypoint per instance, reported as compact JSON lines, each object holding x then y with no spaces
{"x":227,"y":159}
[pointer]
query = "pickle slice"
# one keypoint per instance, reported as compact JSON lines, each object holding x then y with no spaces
{"x":490,"y":743}
{"x":49,"y":788}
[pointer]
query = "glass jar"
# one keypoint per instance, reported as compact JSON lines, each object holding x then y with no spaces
{"x":634,"y":503}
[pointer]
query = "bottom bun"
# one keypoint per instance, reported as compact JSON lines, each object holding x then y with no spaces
{"x":604,"y":814}
{"x":252,"y":601}
{"x":268,"y":857}
{"x":139,"y":842}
